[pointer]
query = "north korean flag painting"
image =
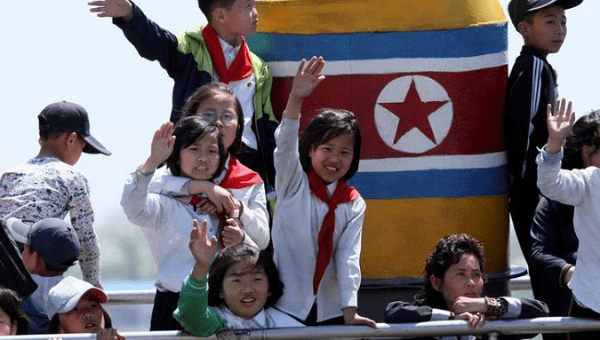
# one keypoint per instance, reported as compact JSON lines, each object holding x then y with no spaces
{"x":429,"y":104}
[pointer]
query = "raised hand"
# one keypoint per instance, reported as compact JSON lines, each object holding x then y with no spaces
{"x":307,"y":78}
{"x":112,"y":8}
{"x":161,"y":147}
{"x":560,"y":122}
{"x":203,"y":249}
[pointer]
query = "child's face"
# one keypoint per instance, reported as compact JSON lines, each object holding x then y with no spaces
{"x":7,"y":327}
{"x":546,"y":30}
{"x":242,"y":18}
{"x":222,"y":109}
{"x":200,"y":159}
{"x":332,"y":160}
{"x":86,"y":317}
{"x":245,"y":289}
{"x":461,"y":279}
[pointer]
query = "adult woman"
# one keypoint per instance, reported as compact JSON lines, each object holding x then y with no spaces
{"x":453,"y":289}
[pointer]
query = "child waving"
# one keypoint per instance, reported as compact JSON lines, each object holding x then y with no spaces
{"x":244,"y":285}
{"x":317,"y":225}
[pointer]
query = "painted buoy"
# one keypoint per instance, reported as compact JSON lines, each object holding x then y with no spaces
{"x":426,"y":80}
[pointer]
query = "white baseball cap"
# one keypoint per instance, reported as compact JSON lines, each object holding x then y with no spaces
{"x":63,"y":297}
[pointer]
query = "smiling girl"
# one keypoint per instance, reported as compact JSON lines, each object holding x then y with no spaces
{"x":244,"y":285}
{"x":317,"y":226}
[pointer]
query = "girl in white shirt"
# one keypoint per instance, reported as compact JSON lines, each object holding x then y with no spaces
{"x":317,"y":225}
{"x":193,"y":149}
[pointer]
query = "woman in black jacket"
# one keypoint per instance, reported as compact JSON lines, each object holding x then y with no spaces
{"x":453,"y":289}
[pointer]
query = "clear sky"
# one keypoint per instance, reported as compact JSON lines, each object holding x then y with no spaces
{"x":57,"y":50}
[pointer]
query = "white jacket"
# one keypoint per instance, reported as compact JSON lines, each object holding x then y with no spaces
{"x":167,"y":222}
{"x":296,"y":223}
{"x":580,"y":188}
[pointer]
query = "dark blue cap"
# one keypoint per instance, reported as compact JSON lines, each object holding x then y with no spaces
{"x":70,"y":117}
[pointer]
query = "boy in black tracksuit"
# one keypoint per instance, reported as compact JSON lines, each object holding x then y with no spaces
{"x":531,"y":87}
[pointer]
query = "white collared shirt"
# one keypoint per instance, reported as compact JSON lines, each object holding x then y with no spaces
{"x":244,"y":89}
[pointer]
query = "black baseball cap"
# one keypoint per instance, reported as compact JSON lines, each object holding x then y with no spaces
{"x":518,"y":8}
{"x":54,"y":239}
{"x":70,"y":117}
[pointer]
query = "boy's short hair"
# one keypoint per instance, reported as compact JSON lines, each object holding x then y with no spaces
{"x":54,"y":239}
{"x":207,"y":6}
{"x":518,"y":9}
{"x":69,"y":117}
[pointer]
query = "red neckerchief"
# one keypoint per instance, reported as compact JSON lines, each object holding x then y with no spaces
{"x":240,"y":68}
{"x":343,"y":194}
{"x":238,"y":176}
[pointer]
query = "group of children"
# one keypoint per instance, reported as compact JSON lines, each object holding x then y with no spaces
{"x":206,"y":216}
{"x":310,"y":183}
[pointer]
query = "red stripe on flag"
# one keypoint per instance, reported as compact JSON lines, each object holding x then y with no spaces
{"x":477,"y":100}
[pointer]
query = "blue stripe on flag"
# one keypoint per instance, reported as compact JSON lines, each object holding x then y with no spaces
{"x":432,"y":183}
{"x":384,"y":45}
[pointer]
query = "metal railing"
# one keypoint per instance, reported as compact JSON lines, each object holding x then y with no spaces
{"x":387,"y":331}
{"x":146,"y":296}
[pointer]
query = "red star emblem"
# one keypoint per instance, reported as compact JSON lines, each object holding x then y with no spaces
{"x":413,"y":112}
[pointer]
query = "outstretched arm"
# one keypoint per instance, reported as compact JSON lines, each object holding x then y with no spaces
{"x":192,"y":308}
{"x":307,"y":78}
{"x":112,"y":8}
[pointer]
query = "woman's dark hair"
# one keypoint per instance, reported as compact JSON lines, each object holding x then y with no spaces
{"x":237,"y":253}
{"x":186,"y":132}
{"x":584,"y":132}
{"x":326,"y":125}
{"x":54,"y":323}
{"x":10,"y":303}
{"x":447,"y":252}
{"x":207,"y":92}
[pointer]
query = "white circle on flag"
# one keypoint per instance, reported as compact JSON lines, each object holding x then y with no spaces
{"x":413,"y":97}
